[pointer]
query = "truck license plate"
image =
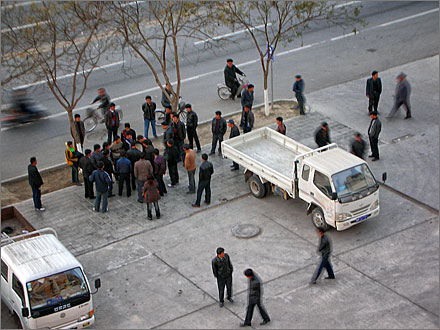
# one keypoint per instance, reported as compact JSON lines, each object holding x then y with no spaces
{"x":362,"y":218}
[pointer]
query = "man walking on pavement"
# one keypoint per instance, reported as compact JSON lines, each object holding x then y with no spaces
{"x":247,"y":97}
{"x":218,"y":129}
{"x":373,"y":133}
{"x":102,"y":181}
{"x":142,"y":171}
{"x":87,"y":168}
{"x":72,"y":161}
{"x":358,"y":146}
{"x":255,"y":296}
{"x":234,"y":132}
{"x":298,"y":88}
{"x":123,"y":169}
{"x":230,"y":77}
{"x":205,"y":172}
{"x":222,"y":269}
{"x":111,"y":123}
{"x":190,"y":166}
{"x":325,"y":250}
{"x":401,"y":97}
{"x":191,"y":127}
{"x":373,"y":91}
{"x":35,"y":181}
{"x":149,"y":108}
{"x":322,"y":135}
{"x":281,"y":128}
{"x":247,"y":119}
{"x":160,"y":168}
{"x":80,"y":130}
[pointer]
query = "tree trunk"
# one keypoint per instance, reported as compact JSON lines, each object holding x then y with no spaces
{"x":266,"y":94}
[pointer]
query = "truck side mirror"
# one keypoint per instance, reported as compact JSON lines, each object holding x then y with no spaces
{"x":25,"y":311}
{"x":334,"y":196}
{"x":384,"y":177}
{"x":97,"y":283}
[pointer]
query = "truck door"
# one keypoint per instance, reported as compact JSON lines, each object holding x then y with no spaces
{"x":17,"y":297}
{"x":303,"y":183}
{"x":6,"y":286}
{"x":321,"y":192}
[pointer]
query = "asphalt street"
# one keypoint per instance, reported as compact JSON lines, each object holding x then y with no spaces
{"x":328,"y":57}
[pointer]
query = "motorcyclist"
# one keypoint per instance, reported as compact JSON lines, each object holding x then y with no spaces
{"x":105,"y":101}
{"x":22,"y":102}
{"x":231,"y":78}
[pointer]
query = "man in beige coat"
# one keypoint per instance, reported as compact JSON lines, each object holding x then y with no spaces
{"x":142,"y":171}
{"x":190,"y":165}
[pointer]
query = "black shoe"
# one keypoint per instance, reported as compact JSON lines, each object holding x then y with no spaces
{"x":330,"y":278}
{"x":234,"y":169}
{"x":370,"y":156}
{"x":221,"y":304}
{"x":207,"y":203}
{"x":244,"y":325}
{"x":374,"y":159}
{"x":93,"y":197}
{"x":231,"y":300}
{"x":158,"y":215}
{"x":140,"y":201}
{"x":190,"y":192}
{"x":265,"y":322}
{"x":195,"y":205}
{"x":312,"y":282}
{"x":212,"y":153}
{"x":199,"y":150}
{"x":407,"y":117}
{"x":150,"y":216}
{"x":112,"y":195}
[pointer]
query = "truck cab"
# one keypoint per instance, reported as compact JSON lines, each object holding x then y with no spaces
{"x":44,"y":284}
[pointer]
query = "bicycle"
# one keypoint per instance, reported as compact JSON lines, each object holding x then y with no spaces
{"x":93,"y":117}
{"x":181,"y":112}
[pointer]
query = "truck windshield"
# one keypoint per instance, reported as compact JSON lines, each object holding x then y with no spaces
{"x":57,"y":292}
{"x":354,"y":183}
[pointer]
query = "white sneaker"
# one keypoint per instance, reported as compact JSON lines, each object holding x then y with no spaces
{"x":42,"y":209}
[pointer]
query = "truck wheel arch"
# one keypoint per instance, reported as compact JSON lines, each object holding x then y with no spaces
{"x":310,"y":208}
{"x":247,"y":175}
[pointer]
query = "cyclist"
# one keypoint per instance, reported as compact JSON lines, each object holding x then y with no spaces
{"x":105,"y":101}
{"x":230,"y":77}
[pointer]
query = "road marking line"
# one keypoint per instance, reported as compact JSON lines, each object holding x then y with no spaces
{"x":343,"y":36}
{"x":229,"y":34}
{"x":346,"y":4}
{"x":407,"y":18}
{"x":19,"y":4}
{"x":21,"y":27}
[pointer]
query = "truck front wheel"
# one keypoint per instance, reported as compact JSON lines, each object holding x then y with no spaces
{"x":256,"y":187}
{"x":318,"y":219}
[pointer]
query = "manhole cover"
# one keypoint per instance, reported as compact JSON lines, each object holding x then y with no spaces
{"x":245,"y":230}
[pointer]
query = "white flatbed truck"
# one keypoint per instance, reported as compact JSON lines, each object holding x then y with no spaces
{"x":338,"y":187}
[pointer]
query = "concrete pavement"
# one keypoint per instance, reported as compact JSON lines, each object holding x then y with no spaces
{"x":158,"y":274}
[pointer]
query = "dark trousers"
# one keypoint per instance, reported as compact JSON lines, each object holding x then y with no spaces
{"x":235,"y":165}
{"x":221,"y":283}
{"x":161,"y":184}
{"x":234,"y":87}
{"x":88,"y":187}
{"x":156,"y":208}
{"x":140,"y":186}
{"x":124,"y":177}
{"x":75,"y":173}
{"x":174,"y":174}
{"x":191,"y":181}
{"x":192,"y":135}
{"x":300,"y":99}
{"x":204,"y":185}
{"x":179,"y":145}
{"x":373,"y":102}
{"x":250,"y":311}
{"x":374,"y":147}
{"x":36,"y":196}
{"x":112,"y":131}
{"x":133,"y":179}
{"x":325,"y":263}
{"x":217,"y":137}
{"x":396,"y":107}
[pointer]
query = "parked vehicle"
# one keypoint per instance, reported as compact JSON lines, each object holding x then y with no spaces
{"x":224,"y":92}
{"x":93,"y":117}
{"x":160,"y":113}
{"x":43,"y":284}
{"x":339,"y":188}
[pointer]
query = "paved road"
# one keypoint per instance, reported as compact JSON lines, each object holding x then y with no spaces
{"x":388,"y":40}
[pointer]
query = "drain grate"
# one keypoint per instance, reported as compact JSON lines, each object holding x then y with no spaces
{"x":245,"y":230}
{"x":399,"y":139}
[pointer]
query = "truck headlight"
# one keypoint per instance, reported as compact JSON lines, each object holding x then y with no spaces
{"x":375,"y":204}
{"x":342,"y":216}
{"x":86,"y":316}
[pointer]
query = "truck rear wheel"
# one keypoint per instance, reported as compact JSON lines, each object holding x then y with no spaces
{"x":318,"y":219}
{"x":256,"y":187}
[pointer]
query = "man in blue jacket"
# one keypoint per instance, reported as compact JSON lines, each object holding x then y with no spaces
{"x":123,"y":169}
{"x":102,"y":182}
{"x":298,"y":88}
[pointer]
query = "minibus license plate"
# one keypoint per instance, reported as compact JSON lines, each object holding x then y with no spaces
{"x":362,"y":218}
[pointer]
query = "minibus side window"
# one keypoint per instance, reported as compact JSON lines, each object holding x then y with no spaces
{"x":18,"y":288}
{"x":5,"y":271}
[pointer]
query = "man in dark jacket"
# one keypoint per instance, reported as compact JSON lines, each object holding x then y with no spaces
{"x":96,"y":156}
{"x":87,"y":168}
{"x":111,"y":120}
{"x":247,"y":97}
{"x":35,"y":181}
{"x":230,"y":77}
{"x":123,"y":169}
{"x":80,"y":129}
{"x":373,"y":133}
{"x":179,"y":134}
{"x":373,"y":91}
{"x":325,"y":250}
{"x":102,"y":181}
{"x":255,"y":296}
{"x":127,"y":131}
{"x":191,"y":127}
{"x":173,"y":156}
{"x":105,"y":101}
{"x":108,"y":167}
{"x":322,"y":135}
{"x":222,"y":269}
{"x":358,"y":146}
{"x":168,"y":134}
{"x":133,"y":155}
{"x":401,"y":96}
{"x":160,"y":168}
{"x":205,"y":172}
{"x":234,"y":132}
{"x":218,"y":129}
{"x":298,"y":88}
{"x":164,"y":101}
{"x":149,"y":108}
{"x":247,"y":119}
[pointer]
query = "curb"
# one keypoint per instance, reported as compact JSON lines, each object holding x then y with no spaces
{"x":64,"y":165}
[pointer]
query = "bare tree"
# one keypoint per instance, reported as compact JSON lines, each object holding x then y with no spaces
{"x":61,"y":38}
{"x":155,"y":30}
{"x":271,"y":22}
